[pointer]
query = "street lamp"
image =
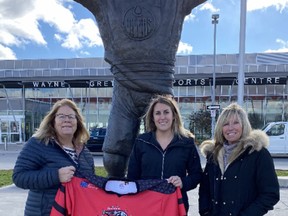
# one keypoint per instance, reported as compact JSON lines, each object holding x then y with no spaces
{"x":241,"y":73}
{"x":215,"y":18}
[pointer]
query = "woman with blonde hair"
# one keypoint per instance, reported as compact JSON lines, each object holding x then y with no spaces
{"x":53,"y":155}
{"x":239,"y":176}
{"x":167,"y":149}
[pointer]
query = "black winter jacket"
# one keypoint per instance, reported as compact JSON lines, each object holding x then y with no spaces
{"x":247,"y":187}
{"x":36,"y":169}
{"x":149,"y":161}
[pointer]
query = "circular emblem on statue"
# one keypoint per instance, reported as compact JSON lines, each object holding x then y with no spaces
{"x":138,"y":23}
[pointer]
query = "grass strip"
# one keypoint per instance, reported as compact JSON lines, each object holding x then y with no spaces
{"x":6,"y":175}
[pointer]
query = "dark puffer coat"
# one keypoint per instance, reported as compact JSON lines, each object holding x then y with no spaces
{"x":247,"y":187}
{"x":36,"y":169}
{"x":149,"y":161}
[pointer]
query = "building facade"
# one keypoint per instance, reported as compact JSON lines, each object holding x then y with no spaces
{"x":28,"y":88}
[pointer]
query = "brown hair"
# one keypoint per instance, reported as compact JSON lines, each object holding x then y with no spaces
{"x":47,"y":131}
{"x":177,"y":125}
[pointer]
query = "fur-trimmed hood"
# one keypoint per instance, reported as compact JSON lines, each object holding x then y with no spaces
{"x":257,"y":140}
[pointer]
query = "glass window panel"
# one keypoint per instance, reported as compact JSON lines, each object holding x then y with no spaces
{"x":205,"y":70}
{"x":251,"y":90}
{"x":192,"y":90}
{"x":4,"y":126}
{"x":8,"y":73}
{"x":271,"y":68}
{"x":34,"y":64}
{"x":70,"y":63}
{"x":262,"y":68}
{"x":234,"y":90}
{"x":14,"y":93}
{"x":101,"y":71}
{"x":98,"y":62}
{"x":280,"y":67}
{"x":18,"y":64}
{"x":232,"y":59}
{"x":250,"y":58}
{"x":221,"y":59}
{"x":53,"y":63}
{"x":182,"y":91}
{"x":3,"y":64}
{"x":199,"y":91}
{"x":80,"y":63}
{"x":226,"y":68}
{"x":183,"y":70}
{"x":108,"y":72}
{"x":182,"y":60}
{"x":9,"y":64}
{"x":38,"y":73}
{"x":279,"y":90}
{"x":225,"y":90}
{"x":270,"y":89}
{"x":261,"y":90}
{"x":192,"y":60}
{"x":252,"y":68}
{"x":191,"y":70}
{"x":273,"y":110}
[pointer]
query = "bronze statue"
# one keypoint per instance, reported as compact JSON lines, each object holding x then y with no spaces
{"x":140,"y":39}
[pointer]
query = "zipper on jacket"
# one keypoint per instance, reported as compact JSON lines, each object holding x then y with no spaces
{"x":163,"y":161}
{"x":163,"y":157}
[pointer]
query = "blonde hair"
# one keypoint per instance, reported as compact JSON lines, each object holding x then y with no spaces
{"x":177,"y":125}
{"x":233,"y":110}
{"x":46,"y":130}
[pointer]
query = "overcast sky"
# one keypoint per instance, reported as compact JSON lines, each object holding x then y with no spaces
{"x":45,"y":29}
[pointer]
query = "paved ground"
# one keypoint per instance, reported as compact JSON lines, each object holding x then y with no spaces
{"x":12,"y":199}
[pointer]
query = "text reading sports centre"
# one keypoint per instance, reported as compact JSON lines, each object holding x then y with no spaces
{"x":28,"y":88}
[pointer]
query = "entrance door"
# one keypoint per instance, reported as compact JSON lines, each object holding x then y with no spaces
{"x":4,"y":131}
{"x":14,"y":131}
{"x":10,"y":130}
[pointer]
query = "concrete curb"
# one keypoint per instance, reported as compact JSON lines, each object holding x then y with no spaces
{"x":7,"y":187}
{"x":283,"y":181}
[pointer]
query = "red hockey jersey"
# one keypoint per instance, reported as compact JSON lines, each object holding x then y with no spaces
{"x":79,"y":197}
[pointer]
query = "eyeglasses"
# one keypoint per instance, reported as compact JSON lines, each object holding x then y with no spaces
{"x":62,"y":116}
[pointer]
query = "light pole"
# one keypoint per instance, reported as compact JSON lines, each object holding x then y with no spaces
{"x":241,"y":73}
{"x":215,"y":18}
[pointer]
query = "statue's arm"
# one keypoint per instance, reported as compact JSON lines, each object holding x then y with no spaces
{"x":91,"y":5}
{"x":193,"y":3}
{"x":197,"y":2}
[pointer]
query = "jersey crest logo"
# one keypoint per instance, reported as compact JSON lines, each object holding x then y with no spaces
{"x":114,"y":213}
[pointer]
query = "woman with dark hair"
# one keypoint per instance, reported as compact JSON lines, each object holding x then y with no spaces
{"x":53,"y":155}
{"x":239,"y":177}
{"x":167,"y":149}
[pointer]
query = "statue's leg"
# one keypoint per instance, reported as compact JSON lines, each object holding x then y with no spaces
{"x":123,"y":125}
{"x":118,"y":142}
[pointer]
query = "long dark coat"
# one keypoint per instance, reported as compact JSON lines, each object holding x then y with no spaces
{"x":247,"y":187}
{"x":36,"y":169}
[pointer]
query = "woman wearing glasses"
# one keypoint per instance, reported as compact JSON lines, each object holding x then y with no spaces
{"x":53,"y":155}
